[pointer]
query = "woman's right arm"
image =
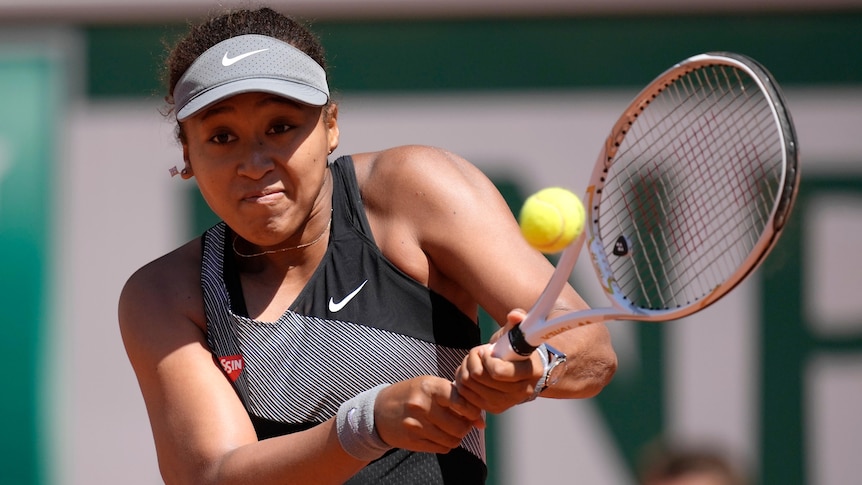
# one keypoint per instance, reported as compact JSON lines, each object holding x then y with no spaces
{"x":202,"y":432}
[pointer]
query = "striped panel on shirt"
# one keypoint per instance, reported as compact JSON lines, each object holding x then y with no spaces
{"x":300,"y":368}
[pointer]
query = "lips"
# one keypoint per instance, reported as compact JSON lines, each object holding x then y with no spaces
{"x":265,"y":195}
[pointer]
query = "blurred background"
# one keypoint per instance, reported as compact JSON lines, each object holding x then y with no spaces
{"x":770,"y":378}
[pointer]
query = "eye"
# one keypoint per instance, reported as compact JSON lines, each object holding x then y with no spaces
{"x":279,"y":128}
{"x":222,"y":138}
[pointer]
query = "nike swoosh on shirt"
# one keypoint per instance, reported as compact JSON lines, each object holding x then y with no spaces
{"x":229,"y":61}
{"x":336,"y":306}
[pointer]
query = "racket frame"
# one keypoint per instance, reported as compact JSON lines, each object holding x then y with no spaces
{"x":522,"y":339}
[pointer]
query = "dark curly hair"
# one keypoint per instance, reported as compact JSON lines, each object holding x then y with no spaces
{"x":218,"y":28}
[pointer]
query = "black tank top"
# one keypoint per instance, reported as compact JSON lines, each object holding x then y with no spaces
{"x":359,"y":322}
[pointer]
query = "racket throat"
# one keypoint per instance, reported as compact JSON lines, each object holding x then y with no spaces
{"x":518,"y":342}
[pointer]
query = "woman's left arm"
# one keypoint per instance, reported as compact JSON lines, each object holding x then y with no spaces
{"x":476,"y":253}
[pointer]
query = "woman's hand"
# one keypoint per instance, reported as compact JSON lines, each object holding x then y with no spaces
{"x":424,"y":414}
{"x":494,"y":384}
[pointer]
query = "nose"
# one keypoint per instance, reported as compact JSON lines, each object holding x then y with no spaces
{"x":258,"y":160}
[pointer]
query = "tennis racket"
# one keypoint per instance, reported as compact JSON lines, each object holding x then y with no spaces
{"x":690,"y":192}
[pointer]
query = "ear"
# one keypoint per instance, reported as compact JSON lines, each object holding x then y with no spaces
{"x":187,"y":171}
{"x":330,"y":119}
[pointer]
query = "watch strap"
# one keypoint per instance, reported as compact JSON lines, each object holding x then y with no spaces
{"x":546,"y":361}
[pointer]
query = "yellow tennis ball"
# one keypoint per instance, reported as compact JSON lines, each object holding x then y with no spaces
{"x":551,"y":219}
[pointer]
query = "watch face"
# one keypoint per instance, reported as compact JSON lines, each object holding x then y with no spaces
{"x":557,"y":366}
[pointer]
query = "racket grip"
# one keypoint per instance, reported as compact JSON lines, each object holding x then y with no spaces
{"x":513,"y":346}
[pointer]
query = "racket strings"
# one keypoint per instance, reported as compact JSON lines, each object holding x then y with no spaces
{"x":695,"y":230}
{"x":687,"y":150}
{"x":699,"y":169}
{"x":694,"y":235}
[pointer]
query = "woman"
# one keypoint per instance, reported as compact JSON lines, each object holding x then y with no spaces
{"x":314,"y":335}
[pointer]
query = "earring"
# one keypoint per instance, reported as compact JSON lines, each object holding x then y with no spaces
{"x":174,"y":172}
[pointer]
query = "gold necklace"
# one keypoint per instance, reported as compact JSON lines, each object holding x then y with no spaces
{"x":280,"y":250}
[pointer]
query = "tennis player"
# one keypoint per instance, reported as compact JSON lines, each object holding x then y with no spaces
{"x":326,"y":330}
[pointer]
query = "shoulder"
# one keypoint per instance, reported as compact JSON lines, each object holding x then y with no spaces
{"x":405,"y":160}
{"x":416,"y":173}
{"x":164,"y":292}
{"x":430,"y":211}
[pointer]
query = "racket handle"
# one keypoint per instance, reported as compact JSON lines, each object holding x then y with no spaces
{"x":513,"y":346}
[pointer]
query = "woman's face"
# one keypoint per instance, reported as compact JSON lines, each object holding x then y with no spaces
{"x":260,"y":163}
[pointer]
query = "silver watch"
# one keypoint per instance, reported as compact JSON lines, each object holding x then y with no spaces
{"x":555,"y":367}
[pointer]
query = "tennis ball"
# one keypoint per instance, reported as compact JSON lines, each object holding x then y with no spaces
{"x":551,"y":219}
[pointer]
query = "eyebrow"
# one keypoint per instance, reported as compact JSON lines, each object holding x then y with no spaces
{"x":210,"y":112}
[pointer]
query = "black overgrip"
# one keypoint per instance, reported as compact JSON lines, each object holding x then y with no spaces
{"x":519,"y":343}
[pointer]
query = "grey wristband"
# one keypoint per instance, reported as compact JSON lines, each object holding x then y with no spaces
{"x":355,"y":426}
